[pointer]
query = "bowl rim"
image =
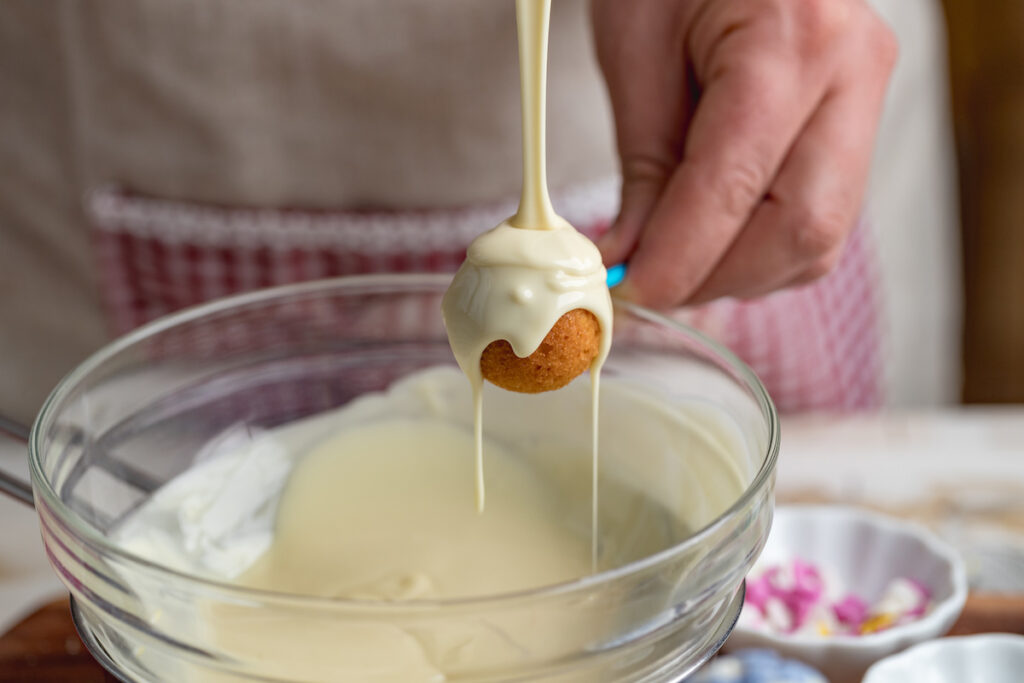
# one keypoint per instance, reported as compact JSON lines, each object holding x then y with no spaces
{"x":944,"y":611}
{"x":381,"y":283}
{"x":967,"y":643}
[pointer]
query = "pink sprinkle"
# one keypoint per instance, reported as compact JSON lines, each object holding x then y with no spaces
{"x":805,"y":593}
{"x":851,"y":611}
{"x":807,"y":576}
{"x":759,"y":591}
{"x":807,"y":581}
{"x":798,"y":607}
{"x":786,"y":596}
{"x":924,"y":597}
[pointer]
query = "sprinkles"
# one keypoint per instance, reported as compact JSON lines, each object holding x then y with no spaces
{"x":796,"y":598}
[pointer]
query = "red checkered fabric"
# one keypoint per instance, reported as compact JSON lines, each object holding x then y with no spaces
{"x":816,"y":347}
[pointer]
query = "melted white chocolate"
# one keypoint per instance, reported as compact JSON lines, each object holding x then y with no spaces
{"x":535,"y":210}
{"x":370,"y":502}
{"x":400,"y":530}
{"x":515,"y":285}
{"x":525,"y":274}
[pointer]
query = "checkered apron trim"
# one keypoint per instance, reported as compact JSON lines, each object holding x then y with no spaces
{"x":815,"y":347}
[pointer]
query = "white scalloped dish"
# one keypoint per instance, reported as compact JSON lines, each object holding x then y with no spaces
{"x":989,"y":658}
{"x":863,"y":551}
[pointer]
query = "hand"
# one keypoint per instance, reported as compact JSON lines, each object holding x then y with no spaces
{"x":745,"y":130}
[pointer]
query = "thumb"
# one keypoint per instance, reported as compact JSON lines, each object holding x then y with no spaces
{"x":643,"y":181}
{"x":638,"y":51}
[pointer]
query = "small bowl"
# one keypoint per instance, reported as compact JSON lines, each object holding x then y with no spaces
{"x":864,"y":551}
{"x":991,"y":658}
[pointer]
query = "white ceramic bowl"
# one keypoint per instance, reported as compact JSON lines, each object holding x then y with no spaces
{"x":863,"y":551}
{"x":990,"y":658}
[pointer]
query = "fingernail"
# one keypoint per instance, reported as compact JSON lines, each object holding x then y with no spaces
{"x":616,"y":274}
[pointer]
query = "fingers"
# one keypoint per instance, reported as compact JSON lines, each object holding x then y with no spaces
{"x":643,"y":182}
{"x":775,"y":160}
{"x":639,"y":47}
{"x":743,"y":126}
{"x":796,"y":234}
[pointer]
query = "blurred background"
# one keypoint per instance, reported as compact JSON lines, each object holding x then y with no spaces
{"x":986,"y":52}
{"x":195,"y":105}
{"x":192,"y":104}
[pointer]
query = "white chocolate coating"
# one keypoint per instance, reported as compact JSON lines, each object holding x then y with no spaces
{"x":515,"y":284}
{"x":521,"y":277}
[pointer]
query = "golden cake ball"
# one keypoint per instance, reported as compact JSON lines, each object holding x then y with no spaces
{"x":567,"y":350}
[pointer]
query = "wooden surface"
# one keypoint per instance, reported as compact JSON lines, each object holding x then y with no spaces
{"x":986,"y":47}
{"x":44,"y":648}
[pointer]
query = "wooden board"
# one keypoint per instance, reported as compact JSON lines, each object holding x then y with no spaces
{"x":44,"y":648}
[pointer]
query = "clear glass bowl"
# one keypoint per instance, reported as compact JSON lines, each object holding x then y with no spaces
{"x":135,"y":415}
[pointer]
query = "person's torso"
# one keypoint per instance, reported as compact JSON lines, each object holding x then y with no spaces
{"x":324,"y":103}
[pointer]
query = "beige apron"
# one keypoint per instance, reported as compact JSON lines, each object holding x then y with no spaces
{"x":314,"y":104}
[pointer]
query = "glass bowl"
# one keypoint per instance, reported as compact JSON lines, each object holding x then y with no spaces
{"x":136,"y":414}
